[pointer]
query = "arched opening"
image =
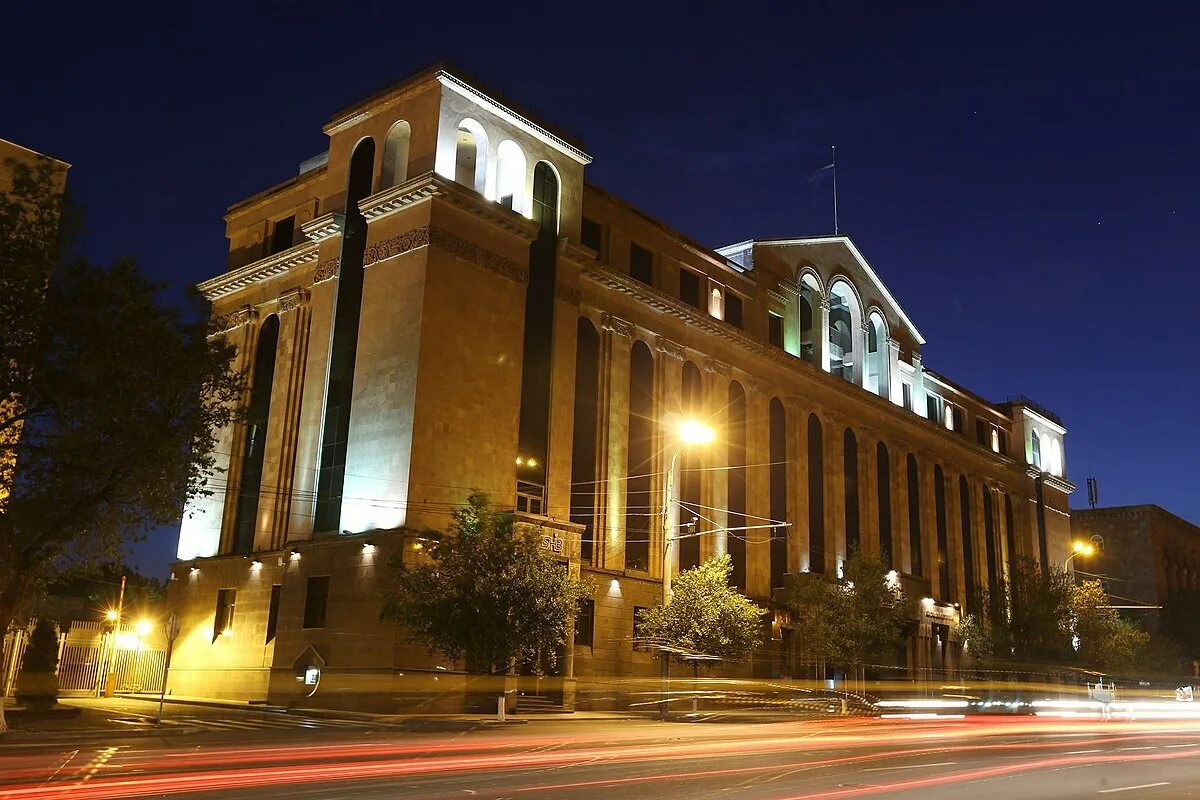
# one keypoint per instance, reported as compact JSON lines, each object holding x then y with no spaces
{"x":583,"y":436}
{"x":736,"y":434}
{"x":968,"y":543}
{"x":778,"y":471}
{"x":1010,"y":535}
{"x":850,"y":471}
{"x":878,"y":377}
{"x":335,"y":436}
{"x":943,"y":546}
{"x":689,"y":472}
{"x":258,"y":415}
{"x":1054,"y":464}
{"x":914,"y":516}
{"x":816,"y":496}
{"x":545,"y":197}
{"x":989,"y":543}
{"x":510,"y":176}
{"x":1035,"y":444}
{"x":883,"y":479}
{"x":395,"y":155}
{"x":640,"y":453}
{"x":810,"y":301}
{"x":844,"y":327}
{"x":470,"y":155}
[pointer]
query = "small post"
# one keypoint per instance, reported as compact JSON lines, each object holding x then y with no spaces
{"x":172,"y":632}
{"x":500,"y":708}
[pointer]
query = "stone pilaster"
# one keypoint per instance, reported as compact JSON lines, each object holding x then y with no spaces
{"x":240,"y":329}
{"x":714,"y":485}
{"x":615,"y":342}
{"x":294,"y":317}
{"x":758,"y":489}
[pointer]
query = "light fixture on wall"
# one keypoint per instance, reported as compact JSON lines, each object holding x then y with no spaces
{"x":293,"y":554}
{"x":368,"y":547}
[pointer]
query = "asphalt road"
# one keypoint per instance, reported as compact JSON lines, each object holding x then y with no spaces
{"x":976,"y":758}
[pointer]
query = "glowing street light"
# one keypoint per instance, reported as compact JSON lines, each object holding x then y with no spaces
{"x":1085,"y":549}
{"x":693,"y":432}
{"x":143,"y":627}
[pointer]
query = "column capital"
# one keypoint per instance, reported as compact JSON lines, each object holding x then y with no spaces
{"x":616,"y":325}
{"x":668,"y":348}
{"x":291,"y":300}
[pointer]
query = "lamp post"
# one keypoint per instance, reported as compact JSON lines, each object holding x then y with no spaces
{"x":690,"y":432}
{"x":1085,"y":549}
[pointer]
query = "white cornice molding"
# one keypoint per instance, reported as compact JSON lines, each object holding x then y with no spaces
{"x":512,"y":117}
{"x":324,"y":226}
{"x":261,"y":270}
{"x":391,"y":200}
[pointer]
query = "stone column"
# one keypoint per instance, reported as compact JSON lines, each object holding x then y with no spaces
{"x":861,"y":338}
{"x":758,"y":489}
{"x":835,"y":492}
{"x":615,"y":342}
{"x":892,"y":365}
{"x":294,"y":317}
{"x":714,"y":485}
{"x":240,"y":330}
{"x":797,"y":478}
{"x":668,"y":404}
{"x":821,"y":333}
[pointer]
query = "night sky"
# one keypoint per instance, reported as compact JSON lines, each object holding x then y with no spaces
{"x":1023,"y":178}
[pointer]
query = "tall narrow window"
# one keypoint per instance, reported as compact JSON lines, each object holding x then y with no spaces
{"x":470,"y":155}
{"x":335,"y":432}
{"x":395,"y":155}
{"x":807,"y":340}
{"x":943,"y":555}
{"x":273,"y":613}
{"x":583,"y":438}
{"x":850,"y":471}
{"x":223,"y":616}
{"x":968,"y":543}
{"x":689,"y":287}
{"x":1039,"y":493}
{"x":816,"y":496}
{"x":883,"y":477}
{"x":640,"y":458}
{"x":585,"y":624}
{"x":736,"y":432}
{"x":641,"y":264}
{"x":510,"y":176}
{"x":779,"y":511}
{"x":989,"y":543}
{"x":257,"y":416}
{"x":733,"y":309}
{"x":689,"y":473}
{"x":914,"y":515}
{"x":775,"y":329}
{"x":878,"y":380}
{"x":591,"y":234}
{"x":1035,"y":449}
{"x":545,"y":197}
{"x":843,"y":319}
{"x":1010,"y":535}
{"x":282,"y":234}
{"x":316,"y":601}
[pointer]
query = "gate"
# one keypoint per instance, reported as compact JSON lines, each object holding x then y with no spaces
{"x":86,"y":654}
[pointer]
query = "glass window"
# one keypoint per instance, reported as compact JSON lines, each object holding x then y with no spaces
{"x":689,"y":287}
{"x":591,"y":234}
{"x":316,"y":599}
{"x":733,"y":309}
{"x":585,"y":624}
{"x":775,"y":329}
{"x":914,"y":515}
{"x":1036,"y":449}
{"x":273,"y":613}
{"x":282,"y":235}
{"x":545,"y":197}
{"x":223,"y":619}
{"x":906,"y":394}
{"x":641,"y":264}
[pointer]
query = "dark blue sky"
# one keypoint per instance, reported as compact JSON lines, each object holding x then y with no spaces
{"x":1022,"y":177}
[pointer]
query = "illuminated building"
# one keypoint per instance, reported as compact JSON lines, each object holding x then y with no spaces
{"x":442,"y":302}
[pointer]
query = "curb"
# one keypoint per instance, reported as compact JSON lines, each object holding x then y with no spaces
{"x":49,"y":739}
{"x":264,"y":707}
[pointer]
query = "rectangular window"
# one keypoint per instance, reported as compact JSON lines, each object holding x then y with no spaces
{"x":933,"y":409}
{"x":641,"y":264}
{"x":281,"y":236}
{"x":1003,"y":441}
{"x":223,"y":619}
{"x":957,"y":421}
{"x":775,"y":329}
{"x":590,"y":234}
{"x":982,"y":432}
{"x":585,"y":624}
{"x":733,"y":309}
{"x":273,"y":613}
{"x":316,"y":599}
{"x":689,"y":287}
{"x":906,"y":391}
{"x":638,"y":644}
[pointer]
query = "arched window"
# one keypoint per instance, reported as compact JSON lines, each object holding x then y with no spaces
{"x":335,"y":436}
{"x":809,"y":301}
{"x":1010,"y":535}
{"x":545,"y":197}
{"x":943,"y":554}
{"x":968,"y":539}
{"x":258,"y":415}
{"x":1035,"y":444}
{"x":816,"y":496}
{"x":395,"y":155}
{"x":689,"y":472}
{"x":779,"y":511}
{"x":510,"y":176}
{"x":844,"y":328}
{"x":1055,"y":466}
{"x":914,"y":515}
{"x":883,"y":478}
{"x":470,"y":155}
{"x":736,"y":460}
{"x":989,"y":540}
{"x":640,"y":455}
{"x":583,"y":438}
{"x":878,"y":378}
{"x":850,"y":471}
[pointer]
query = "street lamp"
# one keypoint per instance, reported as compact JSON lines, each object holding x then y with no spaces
{"x":688,"y":433}
{"x":1084,"y":549}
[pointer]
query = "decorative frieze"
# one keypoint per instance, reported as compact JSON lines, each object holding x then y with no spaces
{"x":718,"y":368}
{"x":396,"y":245}
{"x":235,"y":319}
{"x":568,"y":294}
{"x":616,"y":325}
{"x":289,"y":301}
{"x":666,"y":347}
{"x":758,"y":385}
{"x":326,"y":270}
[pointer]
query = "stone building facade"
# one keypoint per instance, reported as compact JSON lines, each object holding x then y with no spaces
{"x":443,"y":296}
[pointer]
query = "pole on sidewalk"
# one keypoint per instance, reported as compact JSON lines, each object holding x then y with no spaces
{"x":172,"y":632}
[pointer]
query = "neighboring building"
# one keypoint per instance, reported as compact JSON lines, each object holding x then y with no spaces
{"x":1144,"y":554}
{"x":442,"y":295}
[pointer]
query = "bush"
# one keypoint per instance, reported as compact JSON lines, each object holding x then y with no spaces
{"x":37,"y":685}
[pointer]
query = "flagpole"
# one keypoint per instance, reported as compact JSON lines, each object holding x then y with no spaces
{"x":835,"y":217}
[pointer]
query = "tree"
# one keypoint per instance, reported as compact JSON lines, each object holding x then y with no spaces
{"x":855,"y":620}
{"x":489,"y":595}
{"x":37,"y":685}
{"x":707,"y":619}
{"x":110,"y":402}
{"x":1027,"y":616}
{"x":1106,"y":641}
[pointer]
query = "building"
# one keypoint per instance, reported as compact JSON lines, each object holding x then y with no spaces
{"x":1144,"y":554}
{"x":442,"y":295}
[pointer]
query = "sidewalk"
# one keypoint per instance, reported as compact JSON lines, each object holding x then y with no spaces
{"x":80,"y":722}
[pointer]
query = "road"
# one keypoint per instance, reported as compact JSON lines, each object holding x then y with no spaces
{"x":980,"y":758}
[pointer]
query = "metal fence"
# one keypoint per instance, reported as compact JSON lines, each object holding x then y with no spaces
{"x":87,"y":655}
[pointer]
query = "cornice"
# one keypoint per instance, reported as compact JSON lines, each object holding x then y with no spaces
{"x":261,"y":270}
{"x":324,"y":226}
{"x":396,"y":198}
